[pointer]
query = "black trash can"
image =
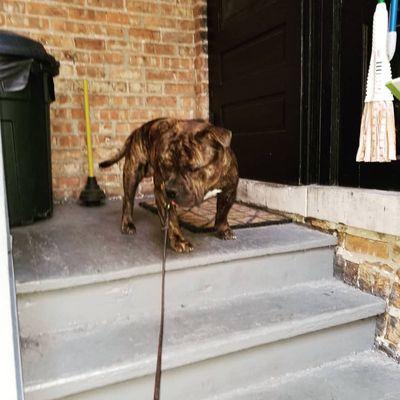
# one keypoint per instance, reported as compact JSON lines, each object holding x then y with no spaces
{"x":26,"y":91}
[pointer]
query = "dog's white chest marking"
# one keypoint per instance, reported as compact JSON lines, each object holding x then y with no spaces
{"x":212,"y":193}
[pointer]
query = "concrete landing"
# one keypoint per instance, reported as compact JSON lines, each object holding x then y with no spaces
{"x":81,"y":245}
{"x":367,"y":376}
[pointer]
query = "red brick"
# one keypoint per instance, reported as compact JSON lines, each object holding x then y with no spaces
{"x":145,"y":34}
{"x":112,"y":31}
{"x":89,"y":44}
{"x":46,"y":9}
{"x":160,"y":75}
{"x":82,"y":13}
{"x":117,"y":18}
{"x":34,"y":22}
{"x":152,"y":61}
{"x":159,"y":22}
{"x":186,"y":76}
{"x":113,"y":58}
{"x":160,"y":49}
{"x":177,"y":37}
{"x":161,"y":101}
{"x":61,"y":127}
{"x":117,"y":44}
{"x":99,"y":100}
{"x":123,"y":128}
{"x":185,"y":25}
{"x":74,"y":2}
{"x":90,"y":71}
{"x":12,"y":7}
{"x":171,"y":88}
{"x":67,"y":182}
{"x":145,"y":7}
{"x":106,"y":3}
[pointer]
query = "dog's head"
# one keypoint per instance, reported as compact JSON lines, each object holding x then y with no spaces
{"x":191,"y":160}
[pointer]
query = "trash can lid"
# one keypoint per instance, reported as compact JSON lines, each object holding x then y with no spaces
{"x":13,"y":44}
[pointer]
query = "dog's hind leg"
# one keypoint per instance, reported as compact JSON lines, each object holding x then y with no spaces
{"x":133,"y":174}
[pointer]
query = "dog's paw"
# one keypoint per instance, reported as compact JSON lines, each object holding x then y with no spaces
{"x":128,"y":228}
{"x":226,"y":234}
{"x":181,"y":245}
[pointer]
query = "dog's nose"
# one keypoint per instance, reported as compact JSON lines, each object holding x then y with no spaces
{"x":171,"y":193}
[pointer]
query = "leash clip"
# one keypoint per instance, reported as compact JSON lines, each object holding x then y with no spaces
{"x":166,"y":223}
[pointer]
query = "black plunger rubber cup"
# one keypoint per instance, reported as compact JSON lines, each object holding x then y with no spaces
{"x":92,"y":195}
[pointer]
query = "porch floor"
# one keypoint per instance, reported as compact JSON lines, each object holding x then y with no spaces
{"x":84,"y":245}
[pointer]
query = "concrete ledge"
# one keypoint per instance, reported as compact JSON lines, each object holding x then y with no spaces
{"x":373,"y":210}
{"x":292,"y":199}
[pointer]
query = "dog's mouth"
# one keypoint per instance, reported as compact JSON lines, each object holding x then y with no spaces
{"x":185,"y":203}
{"x":189,"y":201}
{"x":185,"y":198}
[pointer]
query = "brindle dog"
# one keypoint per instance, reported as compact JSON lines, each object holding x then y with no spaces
{"x":188,"y":159}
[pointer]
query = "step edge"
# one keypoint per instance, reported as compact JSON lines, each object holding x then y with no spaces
{"x":366,"y":356}
{"x":236,"y":343}
{"x":36,"y":286}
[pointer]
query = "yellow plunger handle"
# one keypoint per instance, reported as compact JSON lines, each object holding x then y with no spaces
{"x":88,"y":128}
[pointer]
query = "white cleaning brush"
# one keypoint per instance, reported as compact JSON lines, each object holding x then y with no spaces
{"x":378,"y":133}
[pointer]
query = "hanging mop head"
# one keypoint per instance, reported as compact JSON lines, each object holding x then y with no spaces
{"x":379,"y":72}
{"x":378,"y":134}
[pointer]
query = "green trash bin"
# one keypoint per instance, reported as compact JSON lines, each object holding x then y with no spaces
{"x":26,"y":91}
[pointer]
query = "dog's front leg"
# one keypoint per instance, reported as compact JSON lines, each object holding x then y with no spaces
{"x":175,"y":237}
{"x":225,"y":201}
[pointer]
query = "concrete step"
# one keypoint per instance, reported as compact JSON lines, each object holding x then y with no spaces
{"x":76,"y":270}
{"x":208,"y":350}
{"x":369,"y":376}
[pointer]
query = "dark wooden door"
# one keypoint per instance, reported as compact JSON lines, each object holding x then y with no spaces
{"x":255,"y":83}
{"x":355,"y":56}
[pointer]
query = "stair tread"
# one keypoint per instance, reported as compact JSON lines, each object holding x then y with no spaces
{"x":80,"y":246}
{"x":83,"y":360}
{"x":369,"y":376}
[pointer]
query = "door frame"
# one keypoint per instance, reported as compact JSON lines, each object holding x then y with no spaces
{"x":320,"y":127}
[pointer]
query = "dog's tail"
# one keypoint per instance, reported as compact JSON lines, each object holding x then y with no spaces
{"x":118,"y":156}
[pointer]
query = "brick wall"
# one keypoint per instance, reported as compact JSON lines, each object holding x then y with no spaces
{"x":143,"y":59}
{"x":371,"y":262}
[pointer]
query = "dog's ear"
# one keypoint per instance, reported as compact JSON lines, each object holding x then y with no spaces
{"x":223,"y":136}
{"x":220,"y":135}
